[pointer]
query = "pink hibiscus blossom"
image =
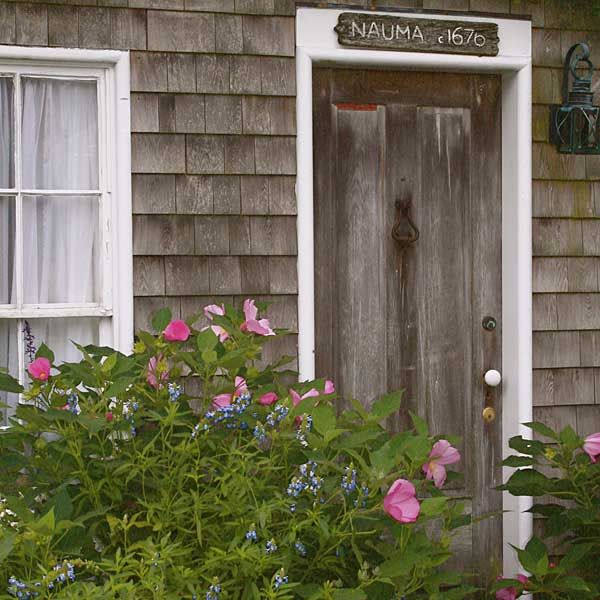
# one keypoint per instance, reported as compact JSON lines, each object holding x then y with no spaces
{"x":268,"y":399}
{"x":177,"y":331}
{"x":39,"y":369}
{"x":510,"y":593}
{"x":401,"y":502}
{"x":312,"y":393}
{"x":591,"y":446}
{"x":251,"y":324}
{"x":154,"y":378}
{"x":223,"y":400}
{"x":215,"y":309}
{"x":441,"y":454}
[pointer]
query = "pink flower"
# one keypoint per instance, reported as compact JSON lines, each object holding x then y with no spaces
{"x":297,"y":398}
{"x":223,"y":400}
{"x":39,"y":368}
{"x":329,"y":387}
{"x":510,"y":593}
{"x":154,"y":378}
{"x":109,"y":416}
{"x":251,"y":324}
{"x":177,"y":331}
{"x":401,"y":503}
{"x":215,"y":309}
{"x":441,"y":454}
{"x":268,"y":399}
{"x":591,"y":446}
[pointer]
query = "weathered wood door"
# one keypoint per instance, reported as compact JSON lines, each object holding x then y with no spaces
{"x":391,"y":317}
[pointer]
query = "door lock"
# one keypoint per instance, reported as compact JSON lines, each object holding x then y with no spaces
{"x":489,"y":414}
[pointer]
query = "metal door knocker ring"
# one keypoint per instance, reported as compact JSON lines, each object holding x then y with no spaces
{"x":404,"y":240}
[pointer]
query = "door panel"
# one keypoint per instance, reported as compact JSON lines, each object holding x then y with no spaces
{"x":389,"y":317}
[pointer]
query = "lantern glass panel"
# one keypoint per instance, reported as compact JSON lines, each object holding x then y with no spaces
{"x":585,"y":128}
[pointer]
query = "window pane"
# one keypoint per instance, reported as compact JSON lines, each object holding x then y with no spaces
{"x":60,"y":249}
{"x":7,"y":179}
{"x":7,"y":249}
{"x":60,"y":134}
{"x":59,"y":335}
{"x":9,"y":360}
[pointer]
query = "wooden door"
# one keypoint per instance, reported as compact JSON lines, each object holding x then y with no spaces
{"x":391,"y":317}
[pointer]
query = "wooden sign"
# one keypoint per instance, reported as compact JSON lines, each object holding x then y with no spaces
{"x":417,"y":35}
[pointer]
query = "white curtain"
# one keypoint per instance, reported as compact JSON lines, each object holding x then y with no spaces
{"x":6,"y":132}
{"x":8,"y":338}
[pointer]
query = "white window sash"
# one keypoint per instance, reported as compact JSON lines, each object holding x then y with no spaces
{"x":111,"y":71}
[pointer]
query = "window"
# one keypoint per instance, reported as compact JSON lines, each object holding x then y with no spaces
{"x":65,"y":207}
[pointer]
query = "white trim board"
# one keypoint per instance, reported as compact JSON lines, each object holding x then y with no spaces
{"x":317,"y":44}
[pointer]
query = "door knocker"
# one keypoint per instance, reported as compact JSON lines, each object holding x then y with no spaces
{"x":404,"y":240}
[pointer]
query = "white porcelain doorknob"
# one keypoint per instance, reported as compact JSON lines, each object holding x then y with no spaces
{"x":492,"y":377}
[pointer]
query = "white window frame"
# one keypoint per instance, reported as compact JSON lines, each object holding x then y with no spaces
{"x":111,"y":71}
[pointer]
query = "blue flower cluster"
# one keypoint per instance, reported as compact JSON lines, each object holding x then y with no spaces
{"x":259,"y":432}
{"x":350,"y":486}
{"x":174,"y":391}
{"x":251,"y":535}
{"x":308,"y":480}
{"x":271,"y":546}
{"x":303,"y":429}
{"x":349,"y":480}
{"x":129,"y":408}
{"x":73,"y":403}
{"x":214,"y":590}
{"x":300,"y":549}
{"x":280,"y":579}
{"x":19,"y":589}
{"x":280,"y":412}
{"x":225,"y":414}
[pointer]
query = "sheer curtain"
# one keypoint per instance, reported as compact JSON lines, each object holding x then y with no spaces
{"x":60,"y":233}
{"x":8,"y":338}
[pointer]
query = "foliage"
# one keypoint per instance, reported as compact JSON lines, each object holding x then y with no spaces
{"x":565,"y":473}
{"x":117,"y":483}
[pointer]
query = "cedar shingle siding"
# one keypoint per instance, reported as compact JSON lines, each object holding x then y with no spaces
{"x":213,"y":124}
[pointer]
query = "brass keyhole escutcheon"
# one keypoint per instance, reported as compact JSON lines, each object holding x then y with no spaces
{"x":489,"y":414}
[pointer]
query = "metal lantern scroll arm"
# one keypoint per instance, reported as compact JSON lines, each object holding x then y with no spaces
{"x":574,"y":126}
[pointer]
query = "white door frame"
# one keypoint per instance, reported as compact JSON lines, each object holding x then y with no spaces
{"x":317,"y":44}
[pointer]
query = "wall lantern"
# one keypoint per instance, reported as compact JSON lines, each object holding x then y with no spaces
{"x":574,"y":125}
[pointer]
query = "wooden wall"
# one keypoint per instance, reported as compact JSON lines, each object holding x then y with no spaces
{"x":213,"y":123}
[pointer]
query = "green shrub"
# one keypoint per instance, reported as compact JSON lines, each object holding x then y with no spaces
{"x":562,"y":469}
{"x":118,"y":483}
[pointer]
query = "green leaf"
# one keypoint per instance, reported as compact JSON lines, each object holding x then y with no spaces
{"x":527,"y":482}
{"x":419,"y":424}
{"x":542,"y":429}
{"x":118,"y":387}
{"x":349,"y":594}
{"x":534,"y":558}
{"x":6,"y":544}
{"x":575,"y":556}
{"x":45,"y":525}
{"x":323,"y":419}
{"x":529,"y":447}
{"x":209,"y":356}
{"x":161,"y":319}
{"x":571,"y":583}
{"x":9,"y":384}
{"x":570,"y":438}
{"x":386,"y":405}
{"x":433,"y":506}
{"x":207,"y":339}
{"x":45,"y":352}
{"x":357,"y":439}
{"x":519,"y":461}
